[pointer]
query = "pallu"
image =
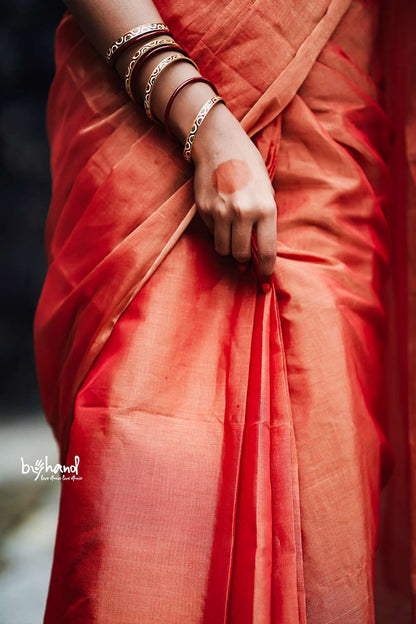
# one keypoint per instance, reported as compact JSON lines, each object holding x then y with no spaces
{"x":245,"y":457}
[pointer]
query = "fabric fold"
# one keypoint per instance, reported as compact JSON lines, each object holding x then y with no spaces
{"x":230,"y":440}
{"x":173,"y":223}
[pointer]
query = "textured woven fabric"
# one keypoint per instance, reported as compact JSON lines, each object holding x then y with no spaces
{"x":232,"y":444}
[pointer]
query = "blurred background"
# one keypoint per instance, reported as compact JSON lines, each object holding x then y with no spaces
{"x":29,"y":508}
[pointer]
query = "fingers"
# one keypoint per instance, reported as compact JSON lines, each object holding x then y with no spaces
{"x":222,"y":227}
{"x":241,"y":240}
{"x":266,"y":242}
{"x":232,"y":222}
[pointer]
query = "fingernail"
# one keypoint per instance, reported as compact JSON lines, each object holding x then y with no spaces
{"x":265,"y":282}
{"x":265,"y":286}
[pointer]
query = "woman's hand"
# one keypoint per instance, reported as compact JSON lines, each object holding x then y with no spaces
{"x":233,"y":191}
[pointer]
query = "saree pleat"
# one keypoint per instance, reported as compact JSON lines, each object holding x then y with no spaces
{"x":230,"y":442}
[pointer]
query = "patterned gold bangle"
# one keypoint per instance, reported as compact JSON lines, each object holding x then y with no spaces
{"x":187,"y":150}
{"x":164,"y":64}
{"x":131,"y":37}
{"x":136,"y":58}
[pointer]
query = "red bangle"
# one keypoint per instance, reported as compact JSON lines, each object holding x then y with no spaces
{"x":139,"y":57}
{"x":175,"y":93}
{"x":174,"y":47}
{"x":167,"y":47}
{"x":160,"y":68}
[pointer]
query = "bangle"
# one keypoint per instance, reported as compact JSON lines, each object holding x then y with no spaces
{"x":133,"y":36}
{"x":203,"y":112}
{"x":175,"y":93}
{"x":138,"y":59}
{"x":172,"y":47}
{"x":164,"y":64}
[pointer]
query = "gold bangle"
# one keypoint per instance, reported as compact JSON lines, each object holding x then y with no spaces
{"x":133,"y":36}
{"x":135,"y":61}
{"x":203,"y":112}
{"x":164,"y":64}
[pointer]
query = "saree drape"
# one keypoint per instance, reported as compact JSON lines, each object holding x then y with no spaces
{"x":245,"y":457}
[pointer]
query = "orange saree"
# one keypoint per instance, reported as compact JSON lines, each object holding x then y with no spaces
{"x":233,"y":445}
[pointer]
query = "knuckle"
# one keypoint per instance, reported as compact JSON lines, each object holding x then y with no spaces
{"x":252,"y":209}
{"x":241,"y":210}
{"x":267,"y":208}
{"x":204,"y":208}
{"x":238,"y":201}
{"x":220,"y":210}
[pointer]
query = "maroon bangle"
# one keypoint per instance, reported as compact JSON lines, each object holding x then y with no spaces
{"x":133,"y":41}
{"x":175,"y":93}
{"x":171,"y":47}
{"x":167,"y":47}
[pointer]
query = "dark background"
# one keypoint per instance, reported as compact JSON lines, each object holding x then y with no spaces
{"x":27,"y":65}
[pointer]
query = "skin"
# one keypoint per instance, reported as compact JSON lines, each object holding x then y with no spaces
{"x":223,"y":155}
{"x":231,"y":176}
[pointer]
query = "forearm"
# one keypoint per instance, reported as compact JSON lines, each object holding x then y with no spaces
{"x":104,"y":21}
{"x":221,"y":147}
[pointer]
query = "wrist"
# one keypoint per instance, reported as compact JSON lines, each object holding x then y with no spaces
{"x":217,"y":129}
{"x":186,"y":107}
{"x":186,"y":103}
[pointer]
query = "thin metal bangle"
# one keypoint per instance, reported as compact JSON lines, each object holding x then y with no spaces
{"x":137,"y":60}
{"x":175,"y":93}
{"x":203,"y":112}
{"x":133,"y":36}
{"x":159,"y":69}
